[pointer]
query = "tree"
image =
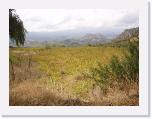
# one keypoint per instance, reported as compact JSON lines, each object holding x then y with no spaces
{"x":17,"y":32}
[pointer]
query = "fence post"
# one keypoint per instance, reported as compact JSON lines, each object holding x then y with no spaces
{"x":12,"y":67}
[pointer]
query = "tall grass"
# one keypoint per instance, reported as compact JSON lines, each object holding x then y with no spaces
{"x":59,"y":75}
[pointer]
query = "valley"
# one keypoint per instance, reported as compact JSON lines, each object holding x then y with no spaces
{"x":92,"y":74}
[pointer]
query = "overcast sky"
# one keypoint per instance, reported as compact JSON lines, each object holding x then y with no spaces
{"x":52,"y":20}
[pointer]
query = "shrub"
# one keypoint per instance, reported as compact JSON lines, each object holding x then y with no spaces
{"x":101,"y":76}
{"x":117,"y":69}
{"x":120,"y":70}
{"x":131,"y":61}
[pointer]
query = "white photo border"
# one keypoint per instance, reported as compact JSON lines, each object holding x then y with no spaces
{"x":141,"y":110}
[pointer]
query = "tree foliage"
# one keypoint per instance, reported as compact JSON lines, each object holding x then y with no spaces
{"x":17,"y":32}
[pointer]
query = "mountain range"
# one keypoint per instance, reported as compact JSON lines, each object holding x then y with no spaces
{"x":40,"y":39}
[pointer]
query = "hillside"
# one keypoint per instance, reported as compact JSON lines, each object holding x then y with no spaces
{"x":125,"y":37}
{"x":128,"y":34}
{"x":94,"y":39}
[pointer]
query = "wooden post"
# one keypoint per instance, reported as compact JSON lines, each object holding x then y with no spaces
{"x":12,"y":67}
{"x":29,"y":65}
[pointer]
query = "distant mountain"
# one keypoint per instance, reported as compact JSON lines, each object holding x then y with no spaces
{"x":72,"y":34}
{"x":41,"y":39}
{"x":43,"y":36}
{"x":127,"y":34}
{"x":94,"y":38}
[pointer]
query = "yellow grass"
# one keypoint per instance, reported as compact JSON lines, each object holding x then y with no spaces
{"x":56,"y":76}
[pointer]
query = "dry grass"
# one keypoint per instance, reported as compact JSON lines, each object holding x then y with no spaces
{"x":31,"y":93}
{"x":35,"y":93}
{"x":56,"y":78}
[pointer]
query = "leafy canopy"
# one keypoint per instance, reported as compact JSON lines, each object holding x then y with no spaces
{"x":17,"y":32}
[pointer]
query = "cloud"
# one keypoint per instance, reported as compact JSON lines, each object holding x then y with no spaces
{"x":60,"y":19}
{"x":55,"y":26}
{"x":129,"y":20}
{"x":33,"y":19}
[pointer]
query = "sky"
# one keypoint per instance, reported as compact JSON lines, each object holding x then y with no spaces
{"x":54,"y":20}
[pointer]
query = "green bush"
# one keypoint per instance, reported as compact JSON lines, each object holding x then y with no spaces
{"x":131,"y":61}
{"x":117,"y":69}
{"x":101,"y":76}
{"x":120,"y":70}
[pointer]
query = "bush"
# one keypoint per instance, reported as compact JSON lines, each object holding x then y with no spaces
{"x":117,"y":69}
{"x":101,"y":76}
{"x":126,"y":69}
{"x":131,"y":61}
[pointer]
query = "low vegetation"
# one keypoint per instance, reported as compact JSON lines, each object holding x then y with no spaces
{"x":99,"y":75}
{"x":122,"y":71}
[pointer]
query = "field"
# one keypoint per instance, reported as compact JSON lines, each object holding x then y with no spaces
{"x":65,"y":76}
